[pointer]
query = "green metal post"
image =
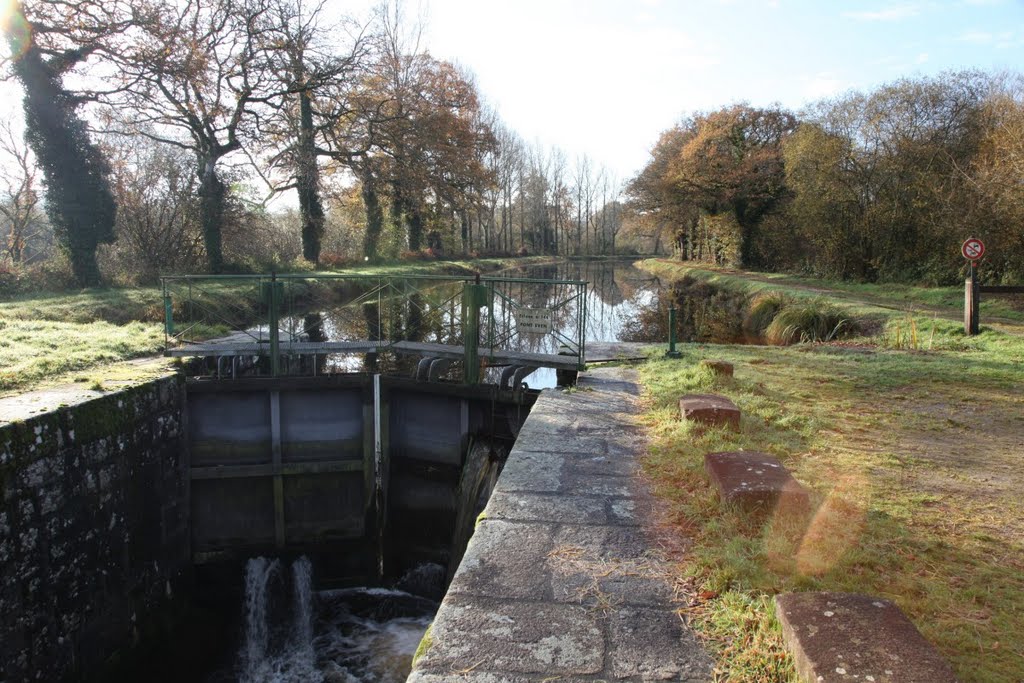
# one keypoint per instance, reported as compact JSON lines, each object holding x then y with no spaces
{"x":672,"y":353}
{"x":275,"y":342}
{"x":474,"y":297}
{"x":583,"y":328}
{"x":168,"y":316}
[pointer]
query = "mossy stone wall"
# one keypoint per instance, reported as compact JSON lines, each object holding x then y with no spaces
{"x":93,"y":529}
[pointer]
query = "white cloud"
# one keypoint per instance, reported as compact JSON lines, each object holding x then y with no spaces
{"x":821,"y":85}
{"x":1001,"y":40}
{"x":976,"y":37}
{"x":894,"y":13}
{"x":921,"y":58}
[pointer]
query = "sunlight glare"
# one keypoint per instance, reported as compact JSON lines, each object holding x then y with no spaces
{"x":14,"y":27}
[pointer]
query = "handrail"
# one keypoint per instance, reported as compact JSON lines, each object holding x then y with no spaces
{"x":388,"y":308}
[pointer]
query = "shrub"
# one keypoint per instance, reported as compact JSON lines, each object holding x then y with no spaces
{"x":336,"y":261}
{"x":49,"y":275}
{"x":762,"y":311}
{"x":809,"y":321}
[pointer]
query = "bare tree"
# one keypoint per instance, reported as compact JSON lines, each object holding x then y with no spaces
{"x":158,"y":221}
{"x":19,"y":204}
{"x":197,"y":80}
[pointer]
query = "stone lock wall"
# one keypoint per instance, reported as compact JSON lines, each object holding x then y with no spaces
{"x":93,"y":528}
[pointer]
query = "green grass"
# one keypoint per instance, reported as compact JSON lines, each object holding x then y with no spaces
{"x":32,"y":351}
{"x":913,"y":462}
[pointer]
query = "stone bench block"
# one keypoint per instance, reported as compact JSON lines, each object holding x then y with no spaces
{"x":850,"y":637}
{"x":718,"y":367}
{"x":755,"y":480}
{"x":710,"y":410}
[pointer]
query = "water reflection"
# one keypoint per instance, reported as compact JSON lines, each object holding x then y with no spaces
{"x":616,"y":297}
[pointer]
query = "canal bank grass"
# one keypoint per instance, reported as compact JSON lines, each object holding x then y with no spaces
{"x":59,"y":338}
{"x":913,"y":461}
{"x":923,"y":302}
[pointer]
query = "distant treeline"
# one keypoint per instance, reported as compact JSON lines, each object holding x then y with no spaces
{"x":883,"y":185}
{"x":158,"y":132}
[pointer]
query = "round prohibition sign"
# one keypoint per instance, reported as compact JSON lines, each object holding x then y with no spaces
{"x":973,"y":249}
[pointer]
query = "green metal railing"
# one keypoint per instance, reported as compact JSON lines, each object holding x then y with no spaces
{"x":489,"y":318}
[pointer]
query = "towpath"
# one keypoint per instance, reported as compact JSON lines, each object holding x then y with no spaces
{"x":566,"y":577}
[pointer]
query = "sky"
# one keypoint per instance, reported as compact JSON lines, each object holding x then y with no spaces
{"x":605,"y":78}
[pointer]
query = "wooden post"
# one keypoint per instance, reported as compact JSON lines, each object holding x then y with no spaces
{"x":972,"y":300}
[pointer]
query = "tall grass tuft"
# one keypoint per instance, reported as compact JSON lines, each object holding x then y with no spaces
{"x":762,"y":311}
{"x":809,"y":321}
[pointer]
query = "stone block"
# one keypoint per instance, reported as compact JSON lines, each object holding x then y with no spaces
{"x":532,"y":507}
{"x":488,"y":569}
{"x":850,"y":637}
{"x":718,"y":367}
{"x":652,"y":645}
{"x":754,"y":480}
{"x":710,"y":410}
{"x":514,"y":637}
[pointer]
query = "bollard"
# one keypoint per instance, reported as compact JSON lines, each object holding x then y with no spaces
{"x":672,"y":353}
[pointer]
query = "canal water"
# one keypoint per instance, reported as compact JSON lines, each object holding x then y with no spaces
{"x":621,"y":303}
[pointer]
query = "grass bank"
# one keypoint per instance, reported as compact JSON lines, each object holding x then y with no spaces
{"x":67,"y":336}
{"x":947,"y":302}
{"x":913,"y":460}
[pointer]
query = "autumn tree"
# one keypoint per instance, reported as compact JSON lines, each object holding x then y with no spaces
{"x":657,"y":209}
{"x":995,"y":177}
{"x":731,"y":167}
{"x":882,"y":181}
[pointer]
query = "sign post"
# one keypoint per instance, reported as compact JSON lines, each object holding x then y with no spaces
{"x":972,"y":250}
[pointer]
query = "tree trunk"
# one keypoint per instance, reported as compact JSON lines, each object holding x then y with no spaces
{"x":414,"y":222}
{"x":374,"y":216}
{"x":212,"y":196}
{"x":464,"y":224}
{"x":311,"y":206}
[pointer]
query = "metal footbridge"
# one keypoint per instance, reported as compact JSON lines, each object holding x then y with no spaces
{"x":458,"y":327}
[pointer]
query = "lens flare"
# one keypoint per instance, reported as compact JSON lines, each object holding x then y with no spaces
{"x":835,"y":529}
{"x":15,"y":27}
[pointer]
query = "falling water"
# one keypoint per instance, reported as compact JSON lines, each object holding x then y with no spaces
{"x":302,"y":584}
{"x":269,"y":654}
{"x":258,"y":572}
{"x":350,"y":636}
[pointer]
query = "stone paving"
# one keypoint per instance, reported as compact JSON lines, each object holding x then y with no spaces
{"x":562,"y":579}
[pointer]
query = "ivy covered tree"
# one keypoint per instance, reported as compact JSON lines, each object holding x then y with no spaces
{"x":45,"y":46}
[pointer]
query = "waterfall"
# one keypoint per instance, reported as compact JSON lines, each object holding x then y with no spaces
{"x":302,"y":583}
{"x":366,"y":635}
{"x":269,"y":655}
{"x":258,"y":572}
